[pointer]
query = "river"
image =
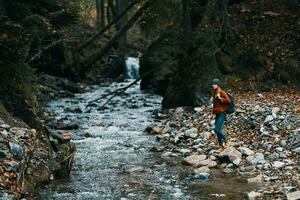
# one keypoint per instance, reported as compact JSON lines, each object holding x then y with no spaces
{"x":113,"y":158}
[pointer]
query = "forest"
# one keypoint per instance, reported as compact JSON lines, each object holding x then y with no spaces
{"x":113,"y":99}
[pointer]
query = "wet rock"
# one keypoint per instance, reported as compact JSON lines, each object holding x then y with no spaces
{"x":2,"y":153}
{"x":154,"y":129}
{"x":237,"y":161}
{"x":208,"y":162}
{"x":296,"y":150}
{"x":293,"y":195}
{"x":202,"y":175}
{"x":204,"y":169}
{"x":283,"y":143}
{"x":257,"y":179}
{"x":12,"y":166}
{"x":246,"y":151}
{"x":193,"y":159}
{"x":278,"y":164}
{"x":231,"y":154}
{"x":185,"y":152}
{"x":166,"y":155}
{"x":192,"y":133}
{"x":253,"y":195}
{"x":5,"y":126}
{"x":67,"y":125}
{"x":134,"y":169}
{"x":16,"y":150}
{"x":247,"y":169}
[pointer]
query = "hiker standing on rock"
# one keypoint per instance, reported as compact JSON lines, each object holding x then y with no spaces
{"x":220,"y":100}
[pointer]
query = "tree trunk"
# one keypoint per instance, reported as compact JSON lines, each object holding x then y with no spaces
{"x":120,"y":6}
{"x":100,"y":17}
{"x":95,"y":57}
{"x":187,"y":26}
{"x":91,"y":39}
{"x":102,"y":10}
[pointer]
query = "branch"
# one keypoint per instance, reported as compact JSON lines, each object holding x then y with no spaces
{"x":95,"y":57}
{"x":91,"y":39}
{"x":41,"y":51}
{"x":119,"y":90}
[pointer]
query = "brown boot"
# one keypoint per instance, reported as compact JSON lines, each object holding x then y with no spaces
{"x":220,"y":149}
{"x":227,"y":144}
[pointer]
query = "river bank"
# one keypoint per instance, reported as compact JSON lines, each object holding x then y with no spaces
{"x":32,"y":155}
{"x":264,"y":132}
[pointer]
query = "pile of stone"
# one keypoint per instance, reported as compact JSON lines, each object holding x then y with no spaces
{"x":264,"y":132}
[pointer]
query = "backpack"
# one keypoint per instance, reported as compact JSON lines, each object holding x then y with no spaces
{"x":230,"y":108}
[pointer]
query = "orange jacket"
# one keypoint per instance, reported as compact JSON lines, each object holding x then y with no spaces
{"x":218,"y":104}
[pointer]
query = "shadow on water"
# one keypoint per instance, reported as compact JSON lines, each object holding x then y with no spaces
{"x":113,"y":160}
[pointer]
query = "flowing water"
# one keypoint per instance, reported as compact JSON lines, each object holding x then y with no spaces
{"x":113,"y":160}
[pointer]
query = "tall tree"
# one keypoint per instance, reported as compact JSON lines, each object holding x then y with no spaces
{"x":100,"y":9}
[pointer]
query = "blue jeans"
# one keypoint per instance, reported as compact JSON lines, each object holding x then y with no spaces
{"x":220,"y":118}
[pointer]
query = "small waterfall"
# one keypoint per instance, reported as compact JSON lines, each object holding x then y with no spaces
{"x":132,"y":68}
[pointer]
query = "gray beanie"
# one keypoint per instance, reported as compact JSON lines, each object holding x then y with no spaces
{"x":216,"y":81}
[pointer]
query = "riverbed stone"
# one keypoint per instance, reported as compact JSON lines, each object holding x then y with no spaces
{"x":193,"y":159}
{"x":192,"y":133}
{"x":201,"y":170}
{"x":296,"y":150}
{"x":278,"y":164}
{"x":202,"y":175}
{"x":208,"y":162}
{"x":246,"y":151}
{"x":257,"y":179}
{"x":254,"y":195}
{"x":16,"y":150}
{"x":258,"y":159}
{"x":269,"y":118}
{"x":293,"y":195}
{"x":12,"y":166}
{"x":231,"y":154}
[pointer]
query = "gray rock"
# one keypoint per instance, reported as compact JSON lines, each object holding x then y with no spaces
{"x":5,"y":126}
{"x":12,"y":166}
{"x":275,"y":110}
{"x":206,"y":135}
{"x":204,"y":169}
{"x":16,"y":150}
{"x":246,"y":151}
{"x":254,"y":195}
{"x":208,"y":162}
{"x":166,"y":154}
{"x":259,"y":159}
{"x":5,"y":196}
{"x":202,"y":175}
{"x":2,"y":154}
{"x":274,"y":127}
{"x":257,"y":179}
{"x":296,"y":150}
{"x":185,"y":152}
{"x":283,"y":143}
{"x":278,"y":164}
{"x":193,"y":159}
{"x":293,"y":195}
{"x":192,"y":133}
{"x":231,"y":153}
{"x":269,"y":118}
{"x":237,"y":161}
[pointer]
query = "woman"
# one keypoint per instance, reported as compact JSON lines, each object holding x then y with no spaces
{"x":220,"y":99}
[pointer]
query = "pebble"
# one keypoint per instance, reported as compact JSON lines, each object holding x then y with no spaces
{"x":254,"y":195}
{"x":12,"y":166}
{"x":202,"y":175}
{"x":257,"y":179}
{"x":269,"y":118}
{"x":16,"y":150}
{"x":231,"y":153}
{"x":293,"y":195}
{"x":277,"y":164}
{"x":246,"y":151}
{"x":194,"y":159}
{"x":201,"y":170}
